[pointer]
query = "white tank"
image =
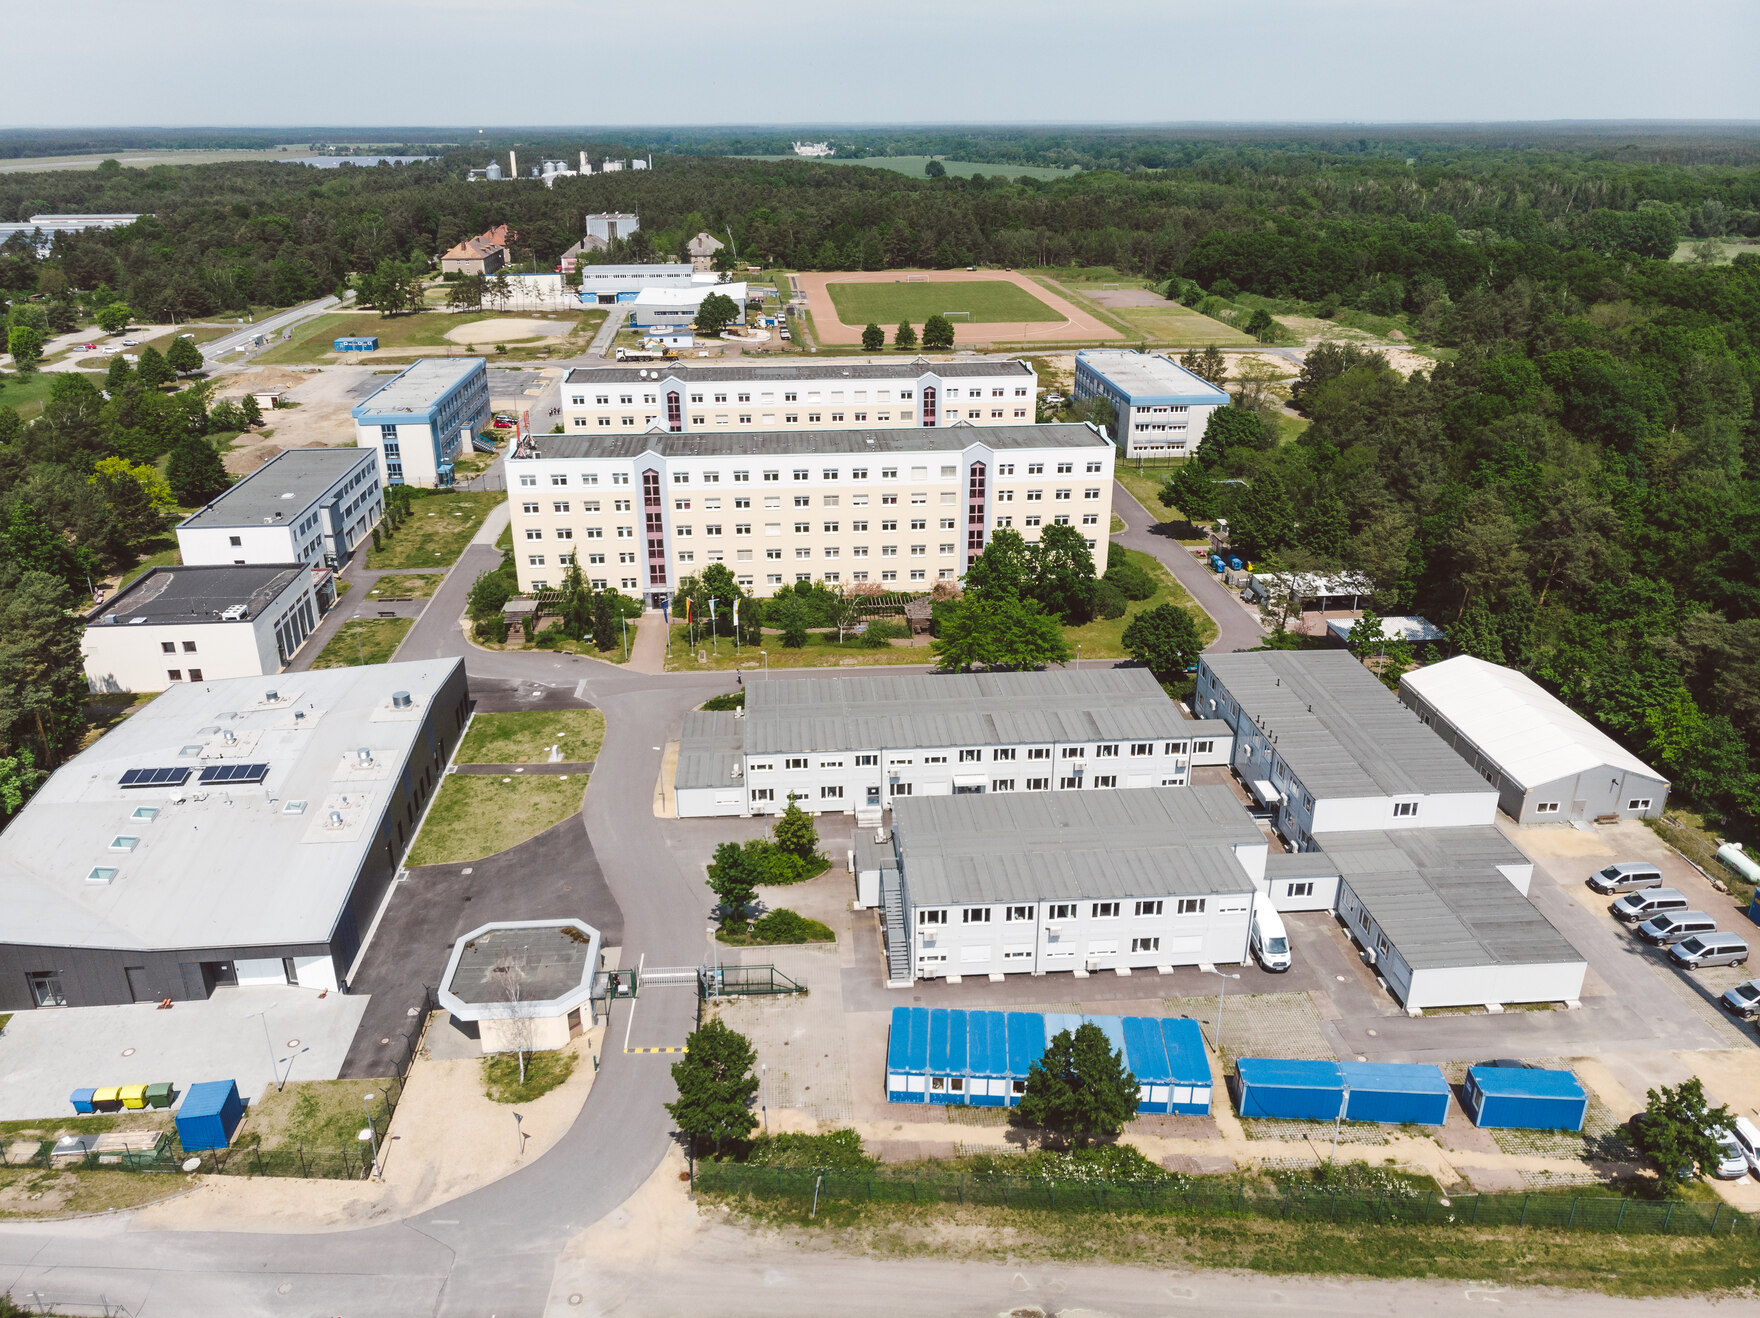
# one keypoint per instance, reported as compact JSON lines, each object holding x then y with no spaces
{"x":1731,"y":854}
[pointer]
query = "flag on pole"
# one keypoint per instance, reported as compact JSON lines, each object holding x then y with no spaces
{"x":687,"y":610}
{"x":736,"y":615}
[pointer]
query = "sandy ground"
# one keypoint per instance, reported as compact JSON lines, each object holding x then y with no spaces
{"x":447,"y":1139}
{"x":1078,"y":326}
{"x":508,"y":329}
{"x":322,"y":418}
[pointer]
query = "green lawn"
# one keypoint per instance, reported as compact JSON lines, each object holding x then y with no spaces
{"x":421,"y":332}
{"x":317,"y":1113}
{"x":988,"y":301}
{"x":1145,"y":486}
{"x":416,"y":585}
{"x":1103,"y":638}
{"x":820,"y":651}
{"x":437,"y":531}
{"x":26,"y":393}
{"x":477,"y":815}
{"x":526,"y":737}
{"x":544,"y":1072}
{"x":364,"y":641}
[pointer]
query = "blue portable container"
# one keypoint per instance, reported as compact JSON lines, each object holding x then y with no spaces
{"x":987,"y":1059}
{"x":209,"y":1114}
{"x":356,"y":343}
{"x":1395,"y":1093}
{"x":1112,"y":1027}
{"x":898,"y":1055}
{"x":947,"y":1055}
{"x":1514,"y":1099}
{"x":1279,"y":1087}
{"x":1026,"y":1045}
{"x":1146,"y":1055}
{"x":1216,"y":563}
{"x":82,"y":1100}
{"x":1754,"y":908}
{"x":1188,"y":1067}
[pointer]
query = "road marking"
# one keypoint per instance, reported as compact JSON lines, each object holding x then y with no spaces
{"x":628,"y":1049}
{"x":630,"y":1023}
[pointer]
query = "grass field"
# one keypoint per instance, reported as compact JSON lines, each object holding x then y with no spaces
{"x":477,"y":815}
{"x":988,"y":301}
{"x":527,"y":736}
{"x":914,"y":165}
{"x":364,"y":641}
{"x":317,"y":1113}
{"x":25,"y":393}
{"x":1104,"y":637}
{"x":544,"y":1072}
{"x":424,"y":333}
{"x":820,"y":651}
{"x":437,"y":531}
{"x":416,"y":585}
{"x":35,"y":1192}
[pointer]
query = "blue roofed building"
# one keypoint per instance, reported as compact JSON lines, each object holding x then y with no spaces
{"x":1162,"y":407}
{"x":422,"y":417}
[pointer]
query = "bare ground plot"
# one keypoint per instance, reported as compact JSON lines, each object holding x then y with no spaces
{"x":1076,"y":325}
{"x":321,"y":418}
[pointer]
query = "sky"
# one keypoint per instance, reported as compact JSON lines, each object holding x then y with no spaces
{"x":697,"y":62}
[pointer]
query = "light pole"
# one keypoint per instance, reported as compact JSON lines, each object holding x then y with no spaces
{"x":625,"y":622}
{"x":519,"y":1135}
{"x":372,"y":1130}
{"x":764,"y":1095}
{"x":766,"y":655}
{"x":1224,"y":976}
{"x":274,"y":1066}
{"x":1078,"y":655}
{"x":1344,"y":1102}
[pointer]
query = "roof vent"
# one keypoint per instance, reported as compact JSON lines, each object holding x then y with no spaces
{"x":271,"y":696}
{"x":400,"y":700}
{"x":112,"y":618}
{"x":299,"y":716}
{"x":334,"y":820}
{"x":229,"y":737}
{"x":364,"y":755}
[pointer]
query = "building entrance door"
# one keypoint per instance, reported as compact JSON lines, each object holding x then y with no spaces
{"x":138,"y":988}
{"x":46,"y":990}
{"x":218,"y":973}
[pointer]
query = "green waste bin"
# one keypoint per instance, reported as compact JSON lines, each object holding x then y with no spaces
{"x":159,"y":1095}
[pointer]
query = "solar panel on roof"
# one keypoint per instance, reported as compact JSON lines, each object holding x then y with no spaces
{"x":174,"y":777}
{"x":234,"y":773}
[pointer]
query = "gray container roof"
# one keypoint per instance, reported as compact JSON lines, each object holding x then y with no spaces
{"x":183,"y":595}
{"x":905,"y":372}
{"x":1049,"y":846}
{"x":784,"y":443}
{"x":900,"y":711}
{"x":418,"y":387}
{"x":282,"y":488}
{"x":708,"y":750}
{"x":1438,"y":895}
{"x":1343,"y":733}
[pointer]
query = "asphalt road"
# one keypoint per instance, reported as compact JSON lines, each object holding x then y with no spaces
{"x":1237,"y":629}
{"x":221,"y":350}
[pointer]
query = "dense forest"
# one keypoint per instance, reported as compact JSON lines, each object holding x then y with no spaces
{"x":1574,"y":489}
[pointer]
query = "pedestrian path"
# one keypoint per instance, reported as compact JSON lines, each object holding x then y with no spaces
{"x":649,"y":653}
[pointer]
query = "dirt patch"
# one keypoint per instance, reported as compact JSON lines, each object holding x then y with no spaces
{"x":1124,"y":297}
{"x":258,"y":380}
{"x":1078,"y":326}
{"x":508,"y":330}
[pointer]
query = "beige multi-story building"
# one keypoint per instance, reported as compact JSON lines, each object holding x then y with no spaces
{"x":902,"y":509}
{"x":830,"y":395}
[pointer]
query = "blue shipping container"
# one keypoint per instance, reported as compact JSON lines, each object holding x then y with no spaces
{"x":1395,"y":1093}
{"x":1278,"y":1087}
{"x":1515,"y":1099}
{"x":898,"y":1052}
{"x":209,"y":1114}
{"x":356,"y":343}
{"x":1188,"y":1065}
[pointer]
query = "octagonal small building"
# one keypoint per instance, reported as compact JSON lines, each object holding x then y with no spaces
{"x":535,"y":974}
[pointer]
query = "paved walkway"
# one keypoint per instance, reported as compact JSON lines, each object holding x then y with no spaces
{"x":1237,"y":629}
{"x":649,"y":655}
{"x":601,"y":344}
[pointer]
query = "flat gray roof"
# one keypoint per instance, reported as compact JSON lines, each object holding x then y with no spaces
{"x":238,"y":868}
{"x":198,"y":594}
{"x":282,"y":488}
{"x":708,"y":750}
{"x":1342,"y":732}
{"x":898,"y":711}
{"x":1149,"y":375}
{"x":1438,"y":894}
{"x":828,"y":371}
{"x":1046,"y":846}
{"x":417,"y":387}
{"x":552,"y":959}
{"x":782,"y":443}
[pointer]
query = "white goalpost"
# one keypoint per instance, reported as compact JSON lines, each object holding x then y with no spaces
{"x":1111,"y":286}
{"x":916,"y":279}
{"x":956,"y":315}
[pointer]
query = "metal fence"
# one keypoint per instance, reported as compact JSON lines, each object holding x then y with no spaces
{"x":1197,"y":1198}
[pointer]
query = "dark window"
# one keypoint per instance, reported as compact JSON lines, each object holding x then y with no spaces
{"x":674,"y":416}
{"x":929,"y":393}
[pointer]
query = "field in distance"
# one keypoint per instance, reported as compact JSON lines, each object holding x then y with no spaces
{"x":987,"y":301}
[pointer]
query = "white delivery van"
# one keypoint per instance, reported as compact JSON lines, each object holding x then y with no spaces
{"x":1270,"y":940}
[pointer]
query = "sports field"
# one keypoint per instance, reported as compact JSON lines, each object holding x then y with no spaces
{"x":988,"y":302}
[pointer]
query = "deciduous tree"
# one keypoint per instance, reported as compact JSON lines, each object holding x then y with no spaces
{"x":1165,"y":640}
{"x":1675,"y":1130}
{"x":1190,"y":492}
{"x":153,"y":370}
{"x":195,"y":472}
{"x":938,"y":332}
{"x":734,"y":877}
{"x":716,"y":313}
{"x":997,"y":632}
{"x":715,"y":1086}
{"x":905,"y":338}
{"x":183,"y":356}
{"x":115,"y":318}
{"x":26,"y":346}
{"x":873,"y":338}
{"x":795,"y":833}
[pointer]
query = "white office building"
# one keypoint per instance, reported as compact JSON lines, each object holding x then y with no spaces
{"x":307,"y":505}
{"x":423,"y":417}
{"x":1546,"y":761}
{"x":864,"y":743}
{"x":1162,"y":407}
{"x":604,"y":285}
{"x":834,"y":395}
{"x":900,"y":508}
{"x":676,"y":307}
{"x":1325,"y":748}
{"x":1119,"y":881}
{"x":200,"y":624}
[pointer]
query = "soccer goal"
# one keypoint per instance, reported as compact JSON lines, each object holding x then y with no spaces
{"x":956,"y":315}
{"x":1112,"y":286}
{"x":916,"y":279}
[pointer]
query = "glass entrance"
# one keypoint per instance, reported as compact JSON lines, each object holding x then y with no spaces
{"x":46,"y":989}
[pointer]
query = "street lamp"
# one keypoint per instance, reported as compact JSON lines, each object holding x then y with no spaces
{"x":274,"y":1066}
{"x":1224,"y":976}
{"x":764,"y":1095}
{"x":372,"y":1130}
{"x":766,"y":655}
{"x":1078,"y":654}
{"x":519,"y":1134}
{"x":1344,"y":1102}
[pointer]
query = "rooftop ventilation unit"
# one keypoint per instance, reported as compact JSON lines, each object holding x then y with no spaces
{"x":400,"y":700}
{"x":334,"y":820}
{"x":229,"y":737}
{"x":364,"y":756}
{"x":299,"y":716}
{"x":112,"y":618}
{"x":271,"y":696}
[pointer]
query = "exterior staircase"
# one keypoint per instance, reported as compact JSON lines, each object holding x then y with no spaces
{"x":898,"y":946}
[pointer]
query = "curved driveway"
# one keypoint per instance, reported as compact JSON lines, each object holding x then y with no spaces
{"x":1236,"y":629}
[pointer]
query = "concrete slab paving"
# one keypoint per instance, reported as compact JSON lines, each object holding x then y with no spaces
{"x":46,"y":1054}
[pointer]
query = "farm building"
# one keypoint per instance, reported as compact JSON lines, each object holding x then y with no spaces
{"x":982,"y":1058}
{"x":1545,"y":761}
{"x":1523,"y":1098}
{"x":1302,"y":1090}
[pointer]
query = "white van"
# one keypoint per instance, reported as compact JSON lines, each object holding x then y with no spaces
{"x":1270,"y":940}
{"x":1747,"y":1136}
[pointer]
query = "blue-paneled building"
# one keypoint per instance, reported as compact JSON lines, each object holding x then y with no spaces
{"x":1162,"y":407}
{"x":1301,"y":1090}
{"x":422,"y":417}
{"x":981,"y":1058}
{"x":1525,"y":1098}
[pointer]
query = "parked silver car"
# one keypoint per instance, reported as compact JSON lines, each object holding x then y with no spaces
{"x":1732,"y":1165}
{"x":1626,"y":876}
{"x":1719,"y":949}
{"x":1743,"y":1000}
{"x":1673,"y":926}
{"x":1636,"y":906}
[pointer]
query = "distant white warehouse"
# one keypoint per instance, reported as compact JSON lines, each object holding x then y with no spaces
{"x":863,"y":743}
{"x":1121,"y":881}
{"x":1546,"y":761}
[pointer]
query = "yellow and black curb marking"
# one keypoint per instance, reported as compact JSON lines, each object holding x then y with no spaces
{"x":654,"y":1050}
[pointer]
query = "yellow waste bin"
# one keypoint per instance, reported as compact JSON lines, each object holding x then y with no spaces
{"x":107,"y":1100}
{"x":133,"y":1096}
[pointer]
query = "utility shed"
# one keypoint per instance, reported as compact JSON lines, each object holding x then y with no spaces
{"x":1389,"y":1092}
{"x":711,"y":775}
{"x":1394,"y":1093}
{"x":1443,"y":917}
{"x":1546,"y":761}
{"x":1289,"y":1088}
{"x":1518,"y":1098}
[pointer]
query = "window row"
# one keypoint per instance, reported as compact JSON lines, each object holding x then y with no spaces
{"x":1109,"y":910}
